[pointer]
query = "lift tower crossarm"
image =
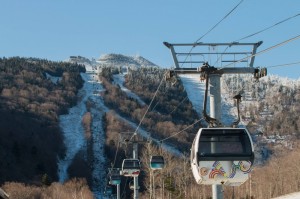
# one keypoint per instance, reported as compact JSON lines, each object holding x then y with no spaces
{"x":176,"y":62}
{"x":241,"y":70}
{"x":212,"y":44}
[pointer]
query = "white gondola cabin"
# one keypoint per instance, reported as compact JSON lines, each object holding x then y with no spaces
{"x":115,"y":177}
{"x":222,"y":156}
{"x":131,"y":167}
{"x":157,"y":162}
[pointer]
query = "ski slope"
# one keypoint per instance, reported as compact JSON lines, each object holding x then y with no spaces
{"x":73,"y":131}
{"x":196,"y":92}
{"x":120,"y":79}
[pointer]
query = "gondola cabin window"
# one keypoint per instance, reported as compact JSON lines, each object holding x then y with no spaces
{"x":224,"y":143}
{"x":131,"y":164}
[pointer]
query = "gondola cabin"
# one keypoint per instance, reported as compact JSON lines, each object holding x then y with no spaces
{"x":115,"y":177}
{"x":222,"y":156}
{"x":131,"y":167}
{"x":157,"y":162}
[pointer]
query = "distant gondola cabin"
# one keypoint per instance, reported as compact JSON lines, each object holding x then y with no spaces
{"x":157,"y":162}
{"x":115,"y":177}
{"x":131,"y":167}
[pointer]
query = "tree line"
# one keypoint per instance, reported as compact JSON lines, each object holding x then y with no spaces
{"x":30,"y":105}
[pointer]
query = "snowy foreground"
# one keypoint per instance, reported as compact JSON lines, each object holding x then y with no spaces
{"x":295,"y":195}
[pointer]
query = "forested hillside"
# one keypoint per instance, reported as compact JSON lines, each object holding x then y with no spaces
{"x":272,"y":102}
{"x":35,"y":92}
{"x":170,"y":111}
{"x":30,"y":104}
{"x":269,"y":100}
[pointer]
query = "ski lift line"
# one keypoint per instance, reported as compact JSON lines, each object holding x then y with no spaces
{"x":210,"y":44}
{"x":283,"y":64}
{"x":155,"y":106}
{"x":147,"y":109}
{"x":191,"y":62}
{"x":219,"y":21}
{"x":181,"y":130}
{"x":248,"y":36}
{"x":212,"y":28}
{"x":116,"y":155}
{"x":233,"y":61}
{"x":265,"y":50}
{"x":179,"y":104}
{"x":157,"y":102}
{"x":216,"y":53}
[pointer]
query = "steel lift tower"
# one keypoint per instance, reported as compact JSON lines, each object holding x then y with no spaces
{"x":242,"y":63}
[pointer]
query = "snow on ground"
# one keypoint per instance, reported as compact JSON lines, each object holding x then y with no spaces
{"x":295,"y":195}
{"x":71,"y":125}
{"x":229,"y":110}
{"x":73,"y":132}
{"x":120,"y":79}
{"x":196,"y":92}
{"x":98,"y":139}
{"x":53,"y":79}
{"x":146,"y":134}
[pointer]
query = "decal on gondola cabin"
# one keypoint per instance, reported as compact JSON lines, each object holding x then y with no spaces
{"x":217,"y":169}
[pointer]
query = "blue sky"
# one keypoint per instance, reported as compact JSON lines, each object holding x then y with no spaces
{"x":56,"y":29}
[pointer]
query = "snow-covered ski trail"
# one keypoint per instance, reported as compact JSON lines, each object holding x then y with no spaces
{"x":71,"y":125}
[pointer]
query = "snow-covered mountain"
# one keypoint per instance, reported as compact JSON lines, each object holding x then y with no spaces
{"x":90,"y":63}
{"x":118,"y":60}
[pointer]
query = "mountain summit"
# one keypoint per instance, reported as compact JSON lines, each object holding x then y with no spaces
{"x":123,"y":60}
